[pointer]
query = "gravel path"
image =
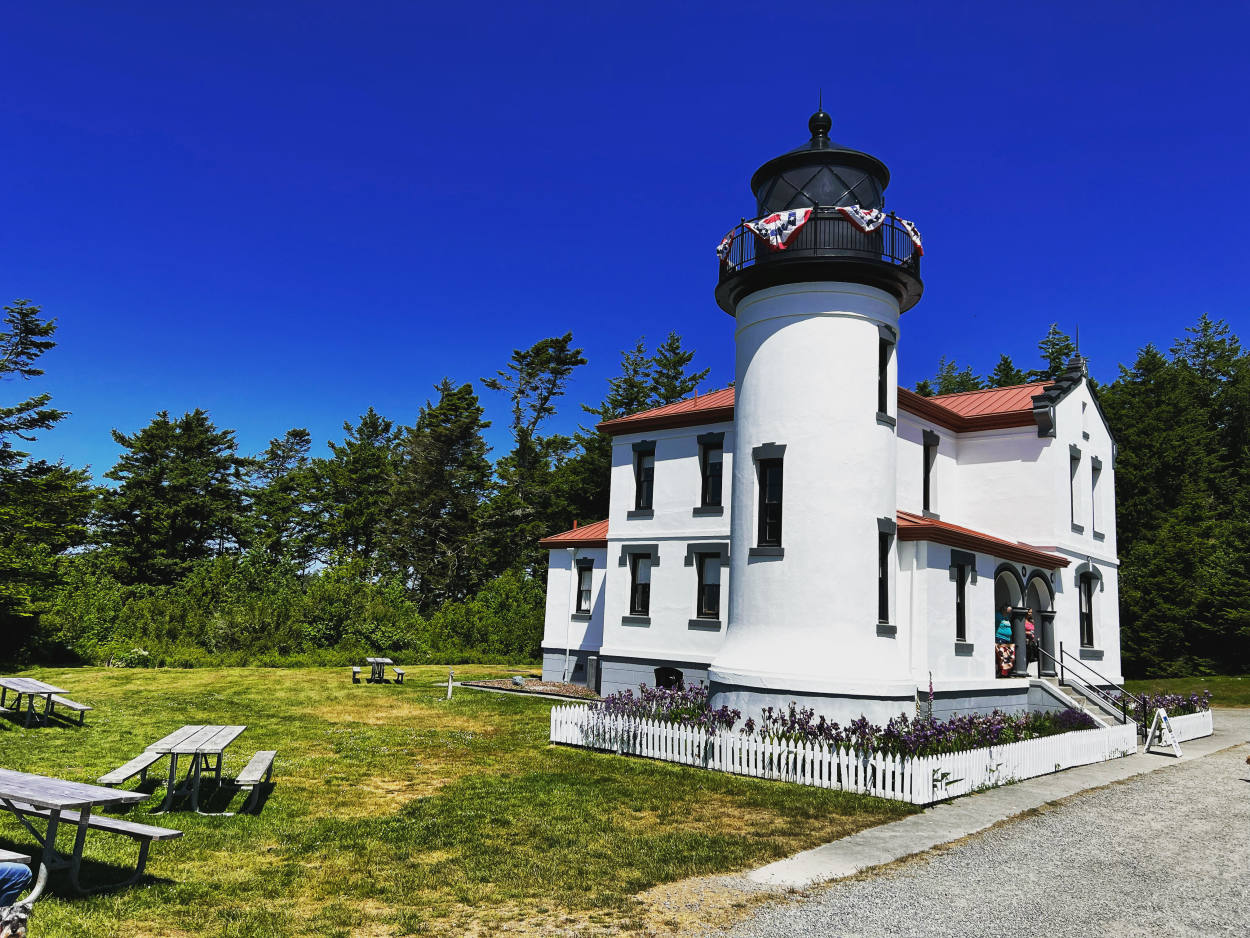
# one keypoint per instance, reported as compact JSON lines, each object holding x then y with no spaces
{"x":1162,"y":854}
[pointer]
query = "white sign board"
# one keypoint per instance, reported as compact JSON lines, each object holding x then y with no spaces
{"x":1161,"y":730}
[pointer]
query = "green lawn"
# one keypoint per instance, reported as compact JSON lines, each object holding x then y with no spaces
{"x":1226,"y":691}
{"x":398,"y":812}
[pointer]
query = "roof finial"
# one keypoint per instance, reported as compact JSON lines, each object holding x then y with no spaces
{"x":820,"y":99}
{"x":820,"y":122}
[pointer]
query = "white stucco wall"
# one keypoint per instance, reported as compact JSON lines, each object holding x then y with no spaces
{"x":807,"y":359}
{"x":560,"y":624}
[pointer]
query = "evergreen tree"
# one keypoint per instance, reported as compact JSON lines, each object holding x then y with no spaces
{"x":924,"y":387}
{"x":1005,"y":374}
{"x":24,"y":338}
{"x":1056,"y":350}
{"x":433,"y":536}
{"x":353,"y":487}
{"x":670,"y":379}
{"x":179,"y":498}
{"x":951,"y":379}
{"x":283,"y":526}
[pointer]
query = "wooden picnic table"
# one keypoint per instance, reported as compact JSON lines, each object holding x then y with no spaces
{"x":29,"y":688}
{"x":378,"y":673}
{"x":58,"y":801}
{"x":201,"y":743}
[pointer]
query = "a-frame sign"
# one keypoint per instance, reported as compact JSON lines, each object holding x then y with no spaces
{"x":1161,"y":731}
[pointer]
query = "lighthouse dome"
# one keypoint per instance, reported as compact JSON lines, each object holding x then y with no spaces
{"x":820,"y":172}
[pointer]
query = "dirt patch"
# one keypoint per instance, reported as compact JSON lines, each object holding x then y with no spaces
{"x":541,"y":688}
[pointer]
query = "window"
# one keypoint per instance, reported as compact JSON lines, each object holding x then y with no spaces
{"x":770,"y":503}
{"x":708,"y":599}
{"x":883,"y":576}
{"x":1094,"y":495}
{"x":670,"y":678}
{"x":712,"y":461}
{"x":584,"y":573}
{"x":1074,"y":497}
{"x":1086,"y":591}
{"x":884,"y":349}
{"x":644,"y":479}
{"x":930,"y":454}
{"x":639,"y":584}
{"x":961,"y":604}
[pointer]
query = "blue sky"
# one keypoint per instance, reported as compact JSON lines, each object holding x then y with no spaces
{"x":287,"y":212}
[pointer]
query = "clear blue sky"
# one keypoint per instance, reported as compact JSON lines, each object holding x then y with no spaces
{"x":285,"y":212}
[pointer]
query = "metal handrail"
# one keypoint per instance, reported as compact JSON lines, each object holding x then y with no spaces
{"x":1094,"y":689}
{"x":827,"y":233}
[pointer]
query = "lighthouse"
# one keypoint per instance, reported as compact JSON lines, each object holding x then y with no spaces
{"x":816,"y":286}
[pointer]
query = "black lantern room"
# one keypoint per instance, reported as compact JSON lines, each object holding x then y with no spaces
{"x":822,"y":175}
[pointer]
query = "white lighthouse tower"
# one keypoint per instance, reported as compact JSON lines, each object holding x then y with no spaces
{"x":812,"y":608}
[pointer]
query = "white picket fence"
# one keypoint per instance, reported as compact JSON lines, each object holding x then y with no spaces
{"x":1192,"y":725}
{"x":922,"y":780}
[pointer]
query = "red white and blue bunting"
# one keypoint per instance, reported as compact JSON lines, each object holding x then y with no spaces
{"x":779,"y":228}
{"x":865,"y":219}
{"x":722,"y":249}
{"x":914,"y":233}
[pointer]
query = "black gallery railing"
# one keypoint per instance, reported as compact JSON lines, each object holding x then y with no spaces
{"x":828,"y":233}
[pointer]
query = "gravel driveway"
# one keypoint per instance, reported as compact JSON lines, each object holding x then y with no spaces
{"x":1162,"y":854}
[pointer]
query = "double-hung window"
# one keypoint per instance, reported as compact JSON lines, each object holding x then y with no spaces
{"x":711,"y":463}
{"x":770,"y":503}
{"x":584,"y":574}
{"x":1074,"y":487}
{"x":929,"y":454}
{"x":962,"y":570}
{"x":639,"y":584}
{"x":884,"y":349}
{"x":708,"y":599}
{"x":644,"y":479}
{"x":883,"y":576}
{"x":1086,"y":591}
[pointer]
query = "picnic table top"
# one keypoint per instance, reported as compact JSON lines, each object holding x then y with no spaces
{"x":43,"y":791}
{"x":28,"y":685}
{"x":197,"y":738}
{"x":378,"y":661}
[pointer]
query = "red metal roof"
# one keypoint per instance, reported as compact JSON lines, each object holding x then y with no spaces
{"x":910,"y":528}
{"x":991,"y":409}
{"x":917,"y":528}
{"x":587,"y":535}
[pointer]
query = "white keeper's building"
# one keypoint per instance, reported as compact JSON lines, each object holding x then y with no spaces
{"x":818,"y":534}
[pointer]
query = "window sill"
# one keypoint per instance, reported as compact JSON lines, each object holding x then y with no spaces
{"x":1078,"y":528}
{"x":766,"y":552}
{"x":635,"y":620}
{"x":963,"y":649}
{"x":886,"y":420}
{"x":926,"y":513}
{"x":886,"y":630}
{"x":580,"y":617}
{"x":702,"y":510}
{"x":1099,"y":536}
{"x":1084,"y":434}
{"x":1091,"y":654}
{"x":640,"y":514}
{"x":705,"y":625}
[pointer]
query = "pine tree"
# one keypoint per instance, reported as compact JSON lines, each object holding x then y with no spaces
{"x":951,"y":379}
{"x":283,"y":525}
{"x":670,"y":379}
{"x":433,"y":537}
{"x":1005,"y":374}
{"x":1056,"y":350}
{"x":353,"y":487}
{"x":24,"y":338}
{"x":179,"y":498}
{"x":924,"y":387}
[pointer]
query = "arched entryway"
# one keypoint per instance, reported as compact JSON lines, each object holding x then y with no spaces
{"x":1039,"y":598}
{"x":1009,"y":593}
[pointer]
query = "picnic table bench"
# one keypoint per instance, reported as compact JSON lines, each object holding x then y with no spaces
{"x":55,"y":700}
{"x":57,"y":801}
{"x":377,"y":674}
{"x":30,"y":688}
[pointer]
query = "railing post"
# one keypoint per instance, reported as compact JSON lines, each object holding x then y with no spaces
{"x":1062,"y":673}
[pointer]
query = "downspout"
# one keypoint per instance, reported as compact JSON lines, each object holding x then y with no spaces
{"x":568,"y":619}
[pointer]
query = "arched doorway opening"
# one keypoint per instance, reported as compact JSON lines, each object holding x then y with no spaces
{"x":1039,"y":598}
{"x":1009,"y":654}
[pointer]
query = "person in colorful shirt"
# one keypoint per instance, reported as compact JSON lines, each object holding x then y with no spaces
{"x":1004,"y":645}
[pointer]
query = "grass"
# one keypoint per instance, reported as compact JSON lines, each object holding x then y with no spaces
{"x":1226,"y":690}
{"x":397,"y":812}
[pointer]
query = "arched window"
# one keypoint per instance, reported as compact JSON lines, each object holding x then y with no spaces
{"x":670,"y":678}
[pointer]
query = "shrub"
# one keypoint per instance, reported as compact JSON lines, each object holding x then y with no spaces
{"x":1175,"y":704}
{"x":685,"y":707}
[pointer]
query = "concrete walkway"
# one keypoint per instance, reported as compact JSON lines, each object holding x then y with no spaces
{"x":973,"y":813}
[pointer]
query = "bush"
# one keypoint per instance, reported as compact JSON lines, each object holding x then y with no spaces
{"x":685,"y":707}
{"x":1175,"y":704}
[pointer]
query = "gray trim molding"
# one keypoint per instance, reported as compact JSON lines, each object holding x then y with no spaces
{"x":705,"y":625}
{"x":889,"y":333}
{"x":1074,"y":450}
{"x":707,"y":547}
{"x":700,"y":511}
{"x":627,"y":549}
{"x":586,"y":562}
{"x":1092,"y":570}
{"x":1036,"y":574}
{"x":926,"y":513}
{"x":886,"y":420}
{"x":1091,"y":654}
{"x":766,"y":552}
{"x":644,"y":446}
{"x":768,"y":451}
{"x":711,"y":439}
{"x":887,"y":526}
{"x":961,"y":558}
{"x":1015,"y":575}
{"x":639,"y":514}
{"x":930,"y":438}
{"x":963,"y":649}
{"x":635,"y":620}
{"x":580,"y":616}
{"x":886,"y":630}
{"x":1096,"y":463}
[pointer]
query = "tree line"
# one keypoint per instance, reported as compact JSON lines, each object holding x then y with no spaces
{"x":409,"y":538}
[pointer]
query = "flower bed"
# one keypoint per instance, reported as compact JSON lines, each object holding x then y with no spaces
{"x":1175,"y":704}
